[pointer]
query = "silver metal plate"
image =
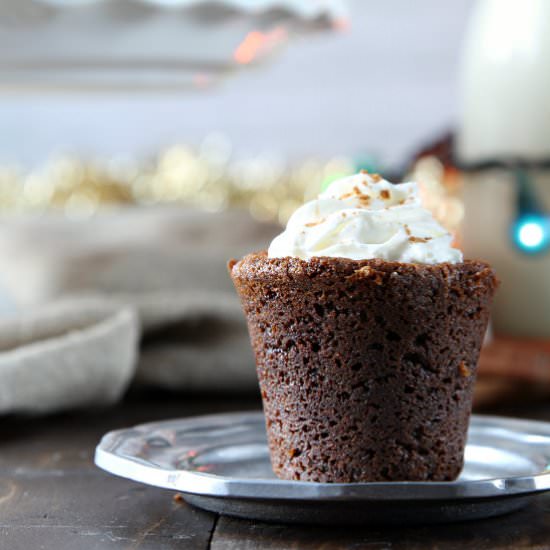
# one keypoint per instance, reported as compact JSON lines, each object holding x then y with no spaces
{"x":221,"y":463}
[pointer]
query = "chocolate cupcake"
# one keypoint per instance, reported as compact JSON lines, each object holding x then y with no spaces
{"x":366,"y":365}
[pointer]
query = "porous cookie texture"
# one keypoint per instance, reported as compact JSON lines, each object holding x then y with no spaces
{"x":366,"y":367}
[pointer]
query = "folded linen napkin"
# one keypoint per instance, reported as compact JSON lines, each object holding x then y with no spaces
{"x":90,"y":292}
{"x":66,"y":355}
{"x":127,"y":250}
{"x":194,"y":341}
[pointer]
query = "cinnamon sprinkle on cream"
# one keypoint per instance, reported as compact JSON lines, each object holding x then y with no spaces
{"x":407,"y":230}
{"x":385,"y":194}
{"x":363,"y":198}
{"x":375,"y":177}
{"x":419,"y":239}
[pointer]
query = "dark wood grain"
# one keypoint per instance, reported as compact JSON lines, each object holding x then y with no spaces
{"x":89,"y":510}
{"x":52,"y":496}
{"x":528,"y":528}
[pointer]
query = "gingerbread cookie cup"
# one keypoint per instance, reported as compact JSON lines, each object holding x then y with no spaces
{"x":366,"y":367}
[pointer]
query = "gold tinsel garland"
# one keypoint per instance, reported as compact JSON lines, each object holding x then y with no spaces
{"x":205,"y":178}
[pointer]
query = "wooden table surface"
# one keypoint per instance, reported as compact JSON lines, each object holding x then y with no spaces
{"x":53,"y":497}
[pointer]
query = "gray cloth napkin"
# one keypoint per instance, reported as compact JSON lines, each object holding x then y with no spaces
{"x":135,"y":294}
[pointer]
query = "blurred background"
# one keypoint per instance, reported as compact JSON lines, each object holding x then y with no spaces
{"x":144,"y":143}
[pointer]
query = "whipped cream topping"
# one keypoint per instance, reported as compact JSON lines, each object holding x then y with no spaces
{"x":362,"y":217}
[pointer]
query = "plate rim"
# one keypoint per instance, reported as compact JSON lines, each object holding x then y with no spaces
{"x":213,"y":485}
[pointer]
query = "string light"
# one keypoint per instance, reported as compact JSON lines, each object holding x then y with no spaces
{"x":531,"y":228}
{"x":532,"y":234}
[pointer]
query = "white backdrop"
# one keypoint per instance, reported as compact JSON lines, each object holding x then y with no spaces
{"x":382,"y":87}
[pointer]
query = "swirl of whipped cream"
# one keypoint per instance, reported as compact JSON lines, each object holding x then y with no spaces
{"x":362,"y":217}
